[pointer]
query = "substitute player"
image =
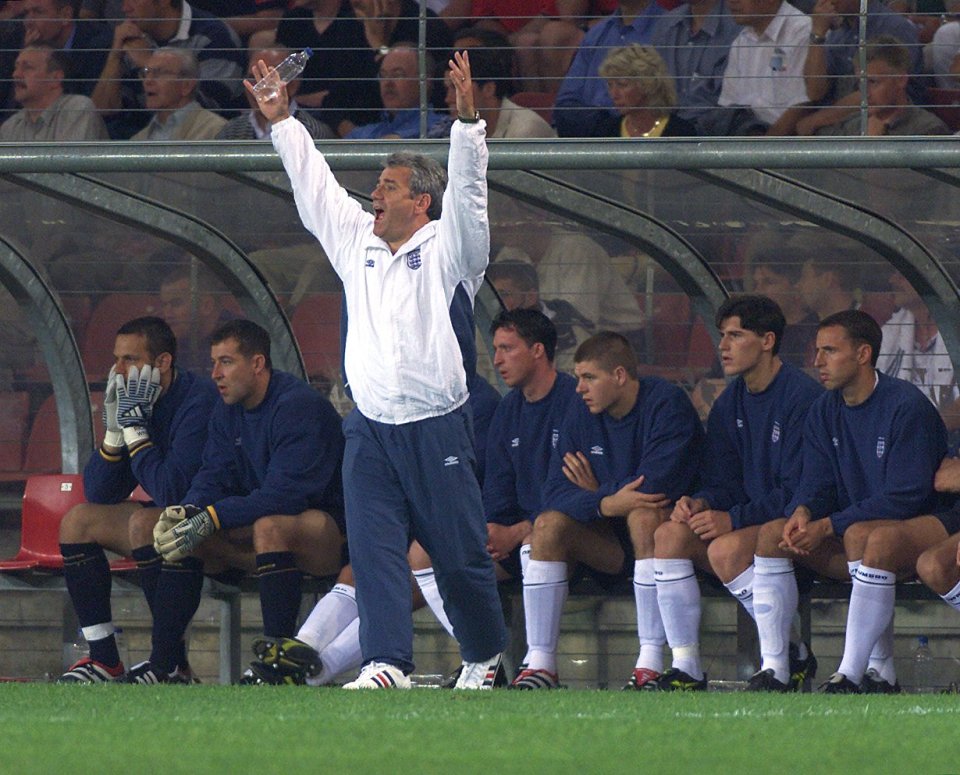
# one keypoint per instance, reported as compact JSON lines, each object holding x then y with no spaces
{"x":625,"y":453}
{"x":408,"y":467}
{"x":156,"y":426}
{"x":267,"y":495}
{"x":872,"y":445}
{"x":751,"y":469}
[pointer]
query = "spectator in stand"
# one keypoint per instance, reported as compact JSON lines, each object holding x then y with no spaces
{"x":84,"y":44}
{"x":251,"y":125}
{"x":339,"y":83}
{"x":389,"y":22}
{"x":544,"y":34}
{"x":643,"y":92}
{"x":46,"y":113}
{"x":583,"y":100}
{"x":694,"y":40}
{"x":245,"y":17}
{"x":830,"y":72}
{"x":518,"y":287}
{"x":764,"y":75}
{"x":170,"y":81}
{"x":889,"y":109}
{"x":148,"y":24}
{"x":942,"y":55}
{"x":400,"y":94}
{"x":492,"y":79}
{"x":11,"y":41}
{"x":776,"y":273}
{"x":827,"y":284}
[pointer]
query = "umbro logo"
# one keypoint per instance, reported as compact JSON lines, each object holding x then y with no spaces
{"x":596,"y":450}
{"x":369,"y":263}
{"x":238,"y":442}
{"x":453,"y":460}
{"x":515,"y":442}
{"x":739,"y":423}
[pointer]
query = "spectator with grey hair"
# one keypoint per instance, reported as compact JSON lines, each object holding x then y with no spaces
{"x":643,"y":93}
{"x":119,"y":92}
{"x":941,"y":55}
{"x":400,"y":93}
{"x":170,"y":81}
{"x":46,"y":113}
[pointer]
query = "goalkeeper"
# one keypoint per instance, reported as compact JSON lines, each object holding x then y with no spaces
{"x":155,"y":418}
{"x":267,"y":497}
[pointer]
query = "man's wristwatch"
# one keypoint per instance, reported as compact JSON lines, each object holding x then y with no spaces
{"x":470,"y":119}
{"x":817,"y":39}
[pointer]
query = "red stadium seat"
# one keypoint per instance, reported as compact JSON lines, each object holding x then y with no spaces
{"x":43,"y":446}
{"x":541,"y":102}
{"x":45,"y":500}
{"x":316,"y":325}
{"x":100,"y":333}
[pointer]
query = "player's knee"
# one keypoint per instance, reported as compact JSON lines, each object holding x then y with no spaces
{"x":881,"y":547}
{"x":855,"y":539}
{"x":938,"y":569}
{"x":273,"y":534}
{"x":768,"y":540}
{"x":550,"y":532}
{"x":728,"y":558}
{"x":672,"y":540}
{"x":418,"y":557}
{"x":75,"y":527}
{"x":140,"y":527}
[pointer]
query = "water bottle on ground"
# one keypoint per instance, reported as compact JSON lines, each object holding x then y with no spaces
{"x":922,"y":667}
{"x":287,"y":70}
{"x":75,"y":650}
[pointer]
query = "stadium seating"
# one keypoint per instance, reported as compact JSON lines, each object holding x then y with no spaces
{"x":100,"y":333}
{"x":316,"y":325}
{"x":45,"y":500}
{"x":43,"y":446}
{"x":14,"y":409}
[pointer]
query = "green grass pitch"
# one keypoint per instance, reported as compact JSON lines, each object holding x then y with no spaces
{"x":231,"y":729}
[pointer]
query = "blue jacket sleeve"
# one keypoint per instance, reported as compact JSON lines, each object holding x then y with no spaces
{"x":722,"y":466}
{"x":913,"y":459}
{"x":218,"y":474}
{"x":775,"y":499}
{"x":559,"y":493}
{"x":500,"y":480}
{"x":166,"y":474}
{"x":108,"y":478}
{"x":305,"y":450}
{"x":817,"y":489}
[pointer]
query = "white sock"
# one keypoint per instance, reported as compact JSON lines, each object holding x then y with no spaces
{"x":742,"y":589}
{"x":775,"y":599}
{"x":427,"y":582}
{"x":881,"y":655}
{"x":678,"y":595}
{"x":334,"y":611}
{"x":649,"y":624}
{"x":544,"y":593}
{"x":340,"y":655}
{"x":524,"y":559}
{"x":871,"y":610}
{"x":952,"y":598}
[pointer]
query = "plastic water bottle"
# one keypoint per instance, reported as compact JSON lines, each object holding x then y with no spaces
{"x":75,"y":651}
{"x":922,"y":666}
{"x":287,"y":70}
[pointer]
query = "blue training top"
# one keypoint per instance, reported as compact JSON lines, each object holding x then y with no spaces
{"x":661,"y":437}
{"x":282,"y":457}
{"x":165,"y":465}
{"x":755,"y":446}
{"x":522,"y":436}
{"x":875,"y":460}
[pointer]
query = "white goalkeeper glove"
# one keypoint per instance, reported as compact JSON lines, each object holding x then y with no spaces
{"x":135,"y":399}
{"x":181,"y":529}
{"x":113,"y":435}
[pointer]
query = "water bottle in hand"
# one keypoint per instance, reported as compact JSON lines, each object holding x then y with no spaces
{"x":268,"y":86}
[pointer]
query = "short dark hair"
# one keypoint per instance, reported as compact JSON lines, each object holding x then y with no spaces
{"x":522,"y":273}
{"x":759,"y":314}
{"x":610,"y":350}
{"x":160,"y":337}
{"x":859,"y":327}
{"x":531,"y":325}
{"x":489,"y":65}
{"x":251,"y":339}
{"x":784,"y":261}
{"x":891,"y":51}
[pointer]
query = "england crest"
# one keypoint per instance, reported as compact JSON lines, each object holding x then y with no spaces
{"x":881,"y":446}
{"x":775,"y":434}
{"x":413,"y":259}
{"x":554,"y":438}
